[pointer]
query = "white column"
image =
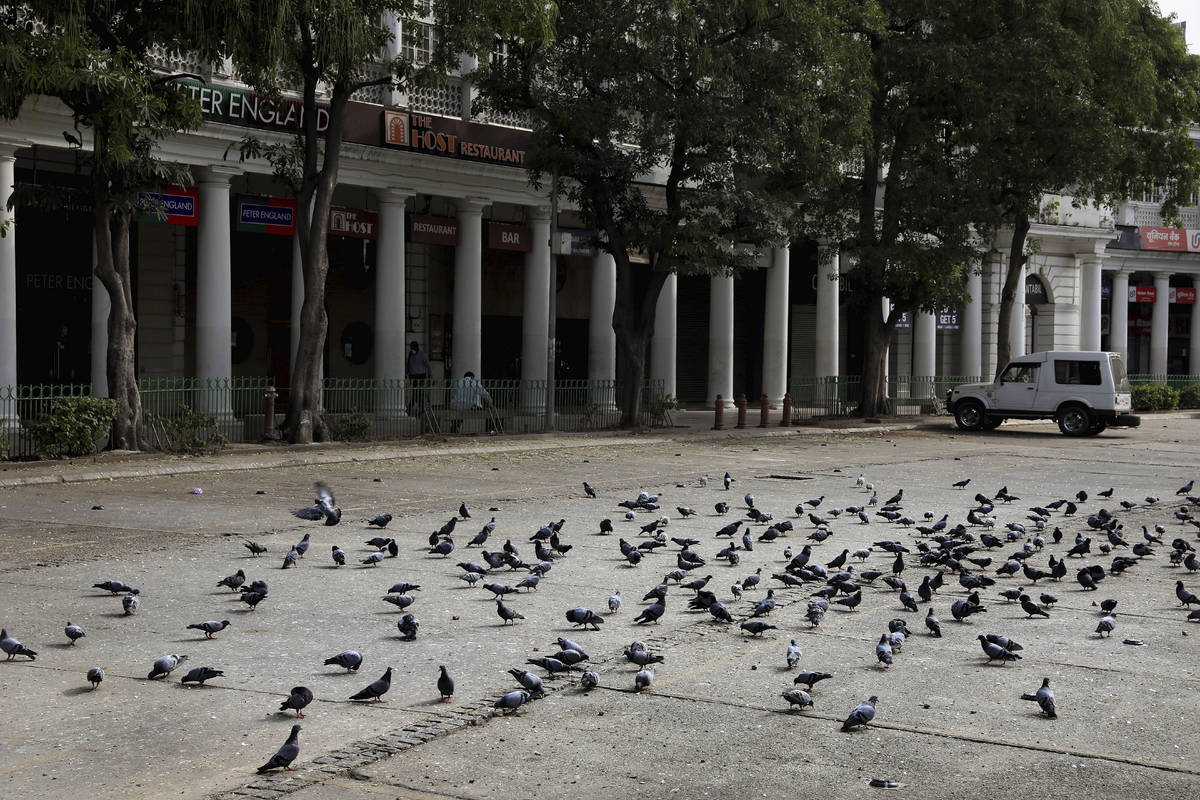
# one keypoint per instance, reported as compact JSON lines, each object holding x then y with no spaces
{"x":971,"y":327}
{"x":1194,"y":341}
{"x":775,"y":328}
{"x":535,"y":311}
{"x":924,"y":345}
{"x":662,"y":346}
{"x":1118,"y":322}
{"x":1089,"y":302}
{"x":467,"y":63}
{"x":8,"y":283}
{"x":886,"y":306}
{"x":213,"y":289}
{"x":393,"y":25}
{"x":467,"y":345}
{"x":390,"y":310}
{"x":1017,"y":323}
{"x":828,"y":281}
{"x":720,"y":338}
{"x":1158,"y":323}
{"x":602,"y":340}
{"x":101,"y":305}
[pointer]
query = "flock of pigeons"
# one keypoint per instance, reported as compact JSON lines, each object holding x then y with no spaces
{"x":976,"y":554}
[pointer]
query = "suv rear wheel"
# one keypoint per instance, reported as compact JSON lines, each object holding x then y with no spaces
{"x":968,"y":415}
{"x":1074,"y":420}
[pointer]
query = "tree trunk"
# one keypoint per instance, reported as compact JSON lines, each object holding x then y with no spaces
{"x":111,"y":232}
{"x":633,"y":324}
{"x":875,"y":349}
{"x":1008,"y":295}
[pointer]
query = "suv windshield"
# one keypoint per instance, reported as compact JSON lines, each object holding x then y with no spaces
{"x":1020,"y":373}
{"x":1120,"y":378}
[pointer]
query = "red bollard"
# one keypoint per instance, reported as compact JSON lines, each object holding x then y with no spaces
{"x":764,"y":411}
{"x":787,"y":411}
{"x":269,"y":399}
{"x":719,"y":414}
{"x":741,"y":409}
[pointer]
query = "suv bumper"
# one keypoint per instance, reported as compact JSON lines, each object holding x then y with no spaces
{"x":1125,"y":421}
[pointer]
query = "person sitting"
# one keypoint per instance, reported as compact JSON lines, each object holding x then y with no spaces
{"x":468,"y":395}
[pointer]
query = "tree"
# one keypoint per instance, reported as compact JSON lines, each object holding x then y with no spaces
{"x":94,"y":56}
{"x":678,"y":129}
{"x":907,"y":218}
{"x":1095,"y":100}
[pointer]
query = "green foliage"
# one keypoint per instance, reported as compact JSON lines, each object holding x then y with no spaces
{"x":1154,"y":397}
{"x":1189,"y":396}
{"x":72,"y":426}
{"x":5,"y":442}
{"x":189,"y":432}
{"x":354,"y":426}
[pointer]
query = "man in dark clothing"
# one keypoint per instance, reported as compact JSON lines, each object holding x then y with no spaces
{"x":419,"y":372}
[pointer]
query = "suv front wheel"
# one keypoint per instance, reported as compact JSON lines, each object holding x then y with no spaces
{"x":1075,"y":420}
{"x":968,"y":415}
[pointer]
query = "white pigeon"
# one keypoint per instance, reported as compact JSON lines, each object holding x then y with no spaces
{"x":643,"y":679}
{"x":614,"y":602}
{"x":793,"y":654}
{"x":861,"y":482}
{"x":704,"y":480}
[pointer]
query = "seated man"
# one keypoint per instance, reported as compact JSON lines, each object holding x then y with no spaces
{"x":468,"y":395}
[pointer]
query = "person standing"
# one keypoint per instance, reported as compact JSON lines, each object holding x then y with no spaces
{"x":469,"y":395}
{"x":419,"y":371}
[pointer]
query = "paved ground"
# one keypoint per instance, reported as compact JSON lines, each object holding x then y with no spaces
{"x":713,"y":724}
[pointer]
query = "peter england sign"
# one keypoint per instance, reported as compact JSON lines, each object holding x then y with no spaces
{"x":243,"y":107}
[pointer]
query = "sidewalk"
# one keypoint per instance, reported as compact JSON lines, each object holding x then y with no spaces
{"x":686,"y":426}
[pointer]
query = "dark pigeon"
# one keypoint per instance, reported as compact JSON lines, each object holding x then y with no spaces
{"x":297,"y":700}
{"x":286,"y":755}
{"x":376,"y":689}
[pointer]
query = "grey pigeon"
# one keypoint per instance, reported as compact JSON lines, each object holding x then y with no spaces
{"x":210,"y":627}
{"x":349,"y":660}
{"x":380,"y":520}
{"x":301,"y":547}
{"x":584,"y":617}
{"x":13,"y":648}
{"x":793,"y":654}
{"x":1044,"y":698}
{"x":199,"y":675}
{"x":322,"y":508}
{"x":883,"y":651}
{"x":445,"y":684}
{"x":530,"y":682}
{"x":408,"y":626}
{"x":810,"y":678}
{"x":373,"y":558}
{"x":797,"y":698}
{"x":233,"y":581}
{"x":507,"y":613}
{"x":400,"y":601}
{"x":642,"y":657}
{"x":862,"y":714}
{"x":376,"y":689}
{"x":589,"y":680}
{"x":164,"y":665}
{"x":255,"y":548}
{"x":995,"y":652}
{"x":297,"y":700}
{"x":291,"y":558}
{"x":614,"y":602}
{"x":73,"y":632}
{"x":130,"y":603}
{"x":116,"y":587}
{"x":95,"y":675}
{"x":339,"y":556}
{"x":511,"y":701}
{"x":643,"y":679}
{"x":651,"y":613}
{"x":253,"y":598}
{"x":756,"y":627}
{"x":1106,"y":625}
{"x":286,"y":755}
{"x":1185,"y":597}
{"x":932,"y":623}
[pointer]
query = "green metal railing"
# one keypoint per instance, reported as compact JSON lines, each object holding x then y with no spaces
{"x":840,"y":396}
{"x":1174,"y":381}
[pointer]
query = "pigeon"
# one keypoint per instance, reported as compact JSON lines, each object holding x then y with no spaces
{"x":883,"y":651}
{"x":765,"y":606}
{"x":810,"y":679}
{"x":400,"y":601}
{"x":727,"y":480}
{"x":932,"y":623}
{"x":1106,"y":625}
{"x":130,"y":603}
{"x":588,"y":490}
{"x":530,"y":682}
{"x":252,"y":598}
{"x":95,"y":675}
{"x":463,"y":511}
{"x":164,"y":665}
{"x":996,"y":652}
{"x":73,"y":632}
{"x":380,"y":520}
{"x":339,"y":556}
{"x":233,"y":581}
{"x":1031,"y":609}
{"x":116,"y":587}
{"x":643,"y":679}
{"x":349,"y":660}
{"x":297,"y":700}
{"x":1185,"y":597}
{"x":255,"y":548}
{"x":1044,"y":697}
{"x":443,"y":548}
{"x":376,"y":689}
{"x":589,"y":680}
{"x":651,"y":613}
{"x":961,"y":609}
{"x":445,"y":684}
{"x":408,"y":625}
{"x":756,"y":627}
{"x":614,"y":602}
{"x":506,"y":613}
{"x":584,"y":617}
{"x":862,"y":714}
{"x":641,"y":657}
{"x":210,"y":627}
{"x":373,"y":558}
{"x":797,"y":698}
{"x":961,"y":484}
{"x":1186,"y":488}
{"x":793,"y":654}
{"x":286,"y":755}
{"x":290,"y":559}
{"x":301,"y":547}
{"x":852,"y":601}
{"x":199,"y":675}
{"x":323,"y":508}
{"x":721,"y":508}
{"x":13,"y":648}
{"x":511,"y":701}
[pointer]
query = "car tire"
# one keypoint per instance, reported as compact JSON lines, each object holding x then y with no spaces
{"x":969,"y":416}
{"x":1074,"y":420}
{"x":991,"y":423}
{"x":1097,"y":427}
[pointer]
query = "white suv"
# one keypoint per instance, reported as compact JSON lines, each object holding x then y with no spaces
{"x":1084,"y":391}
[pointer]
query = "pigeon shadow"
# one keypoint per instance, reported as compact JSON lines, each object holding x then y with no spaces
{"x":72,"y":691}
{"x":60,"y":645}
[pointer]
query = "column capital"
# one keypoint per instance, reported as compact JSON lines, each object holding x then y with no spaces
{"x":218,"y":174}
{"x":393,"y":195}
{"x":471,"y":205}
{"x":1121,"y":274}
{"x":1162,"y":275}
{"x":1095,"y":256}
{"x":538,"y":213}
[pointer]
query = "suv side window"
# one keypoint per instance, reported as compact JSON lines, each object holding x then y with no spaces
{"x":1020,"y":373}
{"x":1079,"y":373}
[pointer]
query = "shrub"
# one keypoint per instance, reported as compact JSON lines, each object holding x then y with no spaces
{"x":354,"y":426}
{"x":189,"y":432}
{"x":1189,"y":396}
{"x":1154,"y":397}
{"x":72,"y":426}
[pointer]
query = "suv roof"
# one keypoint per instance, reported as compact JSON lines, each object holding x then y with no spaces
{"x":1037,"y":358}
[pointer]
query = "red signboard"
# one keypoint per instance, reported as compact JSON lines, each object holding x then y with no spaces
{"x":1174,"y":239}
{"x":509,"y":237}
{"x":175,"y":206}
{"x":1141,"y":294}
{"x":434,"y":230}
{"x":353,"y":222}
{"x":1182,"y":296}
